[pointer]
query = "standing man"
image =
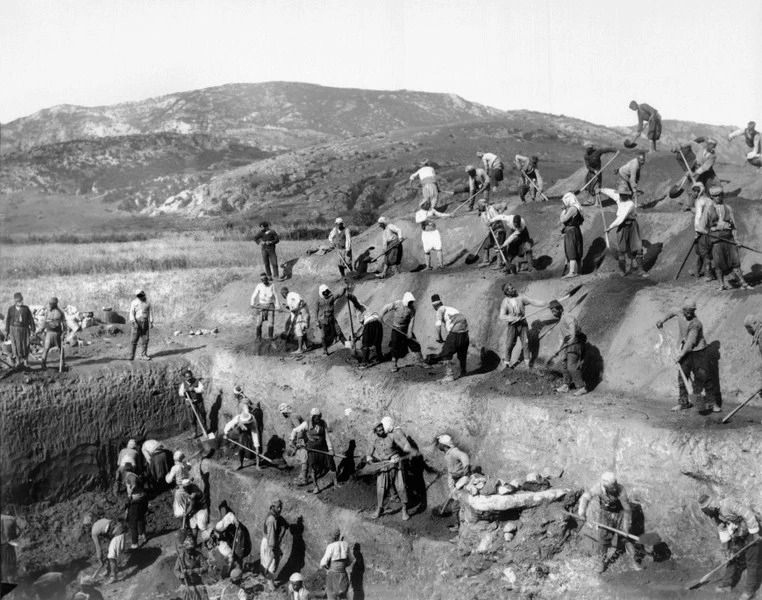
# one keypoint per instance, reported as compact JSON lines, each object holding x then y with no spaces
{"x":127,"y":456}
{"x":513,"y":313}
{"x":430,"y":238}
{"x":235,"y":542}
{"x":628,"y":175}
{"x":265,"y":300}
{"x":429,"y":187}
{"x":614,"y":511}
{"x":243,"y":429}
{"x":336,"y":559}
{"x":113,"y":532}
{"x":451,"y":330}
{"x":629,"y":243}
{"x":529,"y":175}
{"x":192,"y":390}
{"x":299,"y":319}
{"x":267,"y":239}
{"x":692,"y":357}
{"x":372,"y":332}
{"x":494,"y":168}
{"x":320,"y":456}
{"x":55,"y":330}
{"x":648,"y":114}
{"x":270,"y":553}
{"x":738,"y":527}
{"x":478,"y":181}
{"x":326,"y":318}
{"x":189,"y":567}
{"x":137,"y":506}
{"x":402,"y":336}
{"x":496,"y":232}
{"x":571,"y":222}
{"x":721,"y":224}
{"x":390,"y":446}
{"x":298,"y":444}
{"x":19,"y":326}
{"x":703,"y":242}
{"x":9,"y":532}
{"x":593,"y":163}
{"x":572,"y":348}
{"x":141,"y":319}
{"x":340,"y":239}
{"x":753,"y":141}
{"x":392,"y":247}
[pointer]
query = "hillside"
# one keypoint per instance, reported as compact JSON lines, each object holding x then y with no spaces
{"x":273,"y":115}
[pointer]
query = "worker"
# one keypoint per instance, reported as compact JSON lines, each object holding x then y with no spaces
{"x":451,"y":329}
{"x":753,"y":141}
{"x":270,"y":552}
{"x":129,"y":455}
{"x":692,"y":357}
{"x":402,"y":336}
{"x":571,"y":348}
{"x":298,"y":442}
{"x":530,"y":178}
{"x":296,"y":589}
{"x":265,"y":300}
{"x":113,"y":532}
{"x":703,"y":243}
{"x":496,"y":232}
{"x":571,"y":222}
{"x":628,"y":176}
{"x":326,"y":318}
{"x":372,"y":333}
{"x":518,"y":243}
{"x":629,"y":243}
{"x":513,"y":313}
{"x":233,"y":537}
{"x":234,"y":589}
{"x":141,"y":320}
{"x":478,"y":182}
{"x":299,"y":319}
{"x":753,"y":325}
{"x":180,"y":470}
{"x":457,"y":462}
{"x":191,"y":390}
{"x":157,"y":461}
{"x":189,"y":567}
{"x":243,"y":430}
{"x":615,"y":512}
{"x":494,"y":168}
{"x":335,"y":561}
{"x":255,"y":408}
{"x":648,"y":114}
{"x":738,"y":530}
{"x":267,"y":240}
{"x":341,"y":240}
{"x":191,"y":506}
{"x":320,"y":456}
{"x":430,"y":238}
{"x":721,"y":224}
{"x":391,"y":447}
{"x":594,"y":176}
{"x":137,"y":506}
{"x":391,"y":256}
{"x":9,"y":533}
{"x":19,"y":327}
{"x":55,"y":330}
{"x":429,"y":187}
{"x":705,"y":161}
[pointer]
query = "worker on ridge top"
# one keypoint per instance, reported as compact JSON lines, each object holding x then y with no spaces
{"x":648,"y":114}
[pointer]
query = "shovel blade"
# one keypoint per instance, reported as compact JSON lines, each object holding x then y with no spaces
{"x":650,"y":539}
{"x":471,"y":259}
{"x":675,"y":192}
{"x":629,"y":144}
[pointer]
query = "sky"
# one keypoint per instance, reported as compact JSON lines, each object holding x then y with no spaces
{"x":697,"y":60}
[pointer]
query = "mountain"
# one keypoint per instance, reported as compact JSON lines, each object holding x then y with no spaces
{"x":271,"y":116}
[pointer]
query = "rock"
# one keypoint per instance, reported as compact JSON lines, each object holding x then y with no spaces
{"x":176,"y":333}
{"x":510,"y":527}
{"x":509,"y":576}
{"x":508,"y":536}
{"x":113,"y":330}
{"x":486,"y":543}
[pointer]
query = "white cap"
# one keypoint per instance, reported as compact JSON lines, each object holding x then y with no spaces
{"x":608,"y":478}
{"x":315,"y":412}
{"x":445,"y":440}
{"x":178,"y":455}
{"x":338,"y":220}
{"x":407,"y":298}
{"x":388,"y":424}
{"x":382,"y":220}
{"x":295,"y":577}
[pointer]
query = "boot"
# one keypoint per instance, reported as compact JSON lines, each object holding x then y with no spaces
{"x":259,"y":332}
{"x":572,"y":270}
{"x":112,"y":570}
{"x":378,"y":513}
{"x":405,"y":515}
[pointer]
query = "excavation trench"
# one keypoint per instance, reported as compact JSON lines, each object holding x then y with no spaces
{"x":63,"y":437}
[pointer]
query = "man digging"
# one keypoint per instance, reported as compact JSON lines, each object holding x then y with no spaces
{"x":571,"y":348}
{"x":390,"y":446}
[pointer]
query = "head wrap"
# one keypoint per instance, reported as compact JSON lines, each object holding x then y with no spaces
{"x":588,"y":144}
{"x":445,"y":440}
{"x":238,"y":389}
{"x":407,"y":298}
{"x":382,"y":220}
{"x":263,"y":274}
{"x":178,"y":455}
{"x":285,"y":408}
{"x":570,"y":199}
{"x":699,"y":186}
{"x":705,"y":501}
{"x":608,"y":478}
{"x":689,"y":304}
{"x":470,"y":168}
{"x":139,"y":292}
{"x":388,"y":424}
{"x":425,"y":162}
{"x":132,"y":444}
{"x":322,"y":289}
{"x":315,"y":412}
{"x":711,"y":142}
{"x":555,"y":304}
{"x":236,"y":574}
{"x":715,"y":191}
{"x":295,"y":577}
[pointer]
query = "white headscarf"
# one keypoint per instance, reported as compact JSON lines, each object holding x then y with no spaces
{"x":407,"y":298}
{"x":388,"y":424}
{"x":570,"y":199}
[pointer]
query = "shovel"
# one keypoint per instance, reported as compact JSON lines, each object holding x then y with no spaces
{"x":632,"y":143}
{"x":472,"y":258}
{"x":90,"y":579}
{"x":534,"y":185}
{"x":348,"y":267}
{"x":602,"y":169}
{"x":568,"y":295}
{"x":686,"y":381}
{"x":676,"y":190}
{"x":262,"y":456}
{"x":210,"y":436}
{"x":442,"y":511}
{"x":647,"y":539}
{"x":740,"y":406}
{"x":706,"y":577}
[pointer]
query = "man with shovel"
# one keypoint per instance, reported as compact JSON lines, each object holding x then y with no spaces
{"x":392,"y":248}
{"x":629,"y":242}
{"x":326,"y":318}
{"x":703,"y":243}
{"x":451,"y":330}
{"x":243,"y":429}
{"x":340,"y":239}
{"x":594,"y":175}
{"x":494,"y":168}
{"x":753,"y":141}
{"x":298,"y":442}
{"x":572,"y":348}
{"x":265,"y":300}
{"x":390,"y":447}
{"x":692,"y":358}
{"x":191,"y":390}
{"x":496,"y":231}
{"x":402,"y":337}
{"x":614,"y":512}
{"x":648,"y":114}
{"x":531,"y":180}
{"x":513,"y":314}
{"x":738,"y":529}
{"x":478,"y":181}
{"x":628,"y":175}
{"x":721,"y":225}
{"x":299,"y":319}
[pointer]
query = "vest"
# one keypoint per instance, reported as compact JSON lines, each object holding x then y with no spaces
{"x":749,"y":136}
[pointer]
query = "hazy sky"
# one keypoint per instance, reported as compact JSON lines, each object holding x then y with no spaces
{"x":692,"y":59}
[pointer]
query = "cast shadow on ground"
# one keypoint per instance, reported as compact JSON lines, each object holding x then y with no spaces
{"x":357,"y":576}
{"x":592,"y":367}
{"x":137,"y":561}
{"x":541,"y":263}
{"x":463,"y":252}
{"x":287,"y":268}
{"x":754,"y":277}
{"x":296,"y":558}
{"x":489,"y":360}
{"x":659,"y":552}
{"x":214,"y":412}
{"x":713,"y":360}
{"x":595,"y":254}
{"x":275,"y":448}
{"x":415,"y":481}
{"x":652,"y":252}
{"x":346,"y":468}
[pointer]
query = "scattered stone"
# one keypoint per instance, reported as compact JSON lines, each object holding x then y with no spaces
{"x":176,"y":333}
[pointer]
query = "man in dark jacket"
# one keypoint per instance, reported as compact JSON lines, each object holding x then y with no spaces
{"x":19,"y":325}
{"x":55,"y":330}
{"x":267,"y":239}
{"x":594,"y":179}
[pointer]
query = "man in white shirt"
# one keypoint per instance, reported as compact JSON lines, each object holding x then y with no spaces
{"x":429,"y":187}
{"x":494,"y":168}
{"x":478,"y":182}
{"x":392,"y":247}
{"x":518,"y":243}
{"x":299,"y":319}
{"x":141,"y":319}
{"x":703,"y":242}
{"x":265,"y":300}
{"x":513,"y":314}
{"x":452,"y":330}
{"x":753,"y":142}
{"x":629,"y":243}
{"x":340,"y":239}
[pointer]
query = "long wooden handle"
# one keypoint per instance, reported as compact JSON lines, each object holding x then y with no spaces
{"x":679,"y":366}
{"x":706,"y":577}
{"x":497,"y":243}
{"x":534,"y":185}
{"x":602,"y":169}
{"x":740,"y":406}
{"x":619,"y":531}
{"x":250,"y":450}
{"x":198,"y":418}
